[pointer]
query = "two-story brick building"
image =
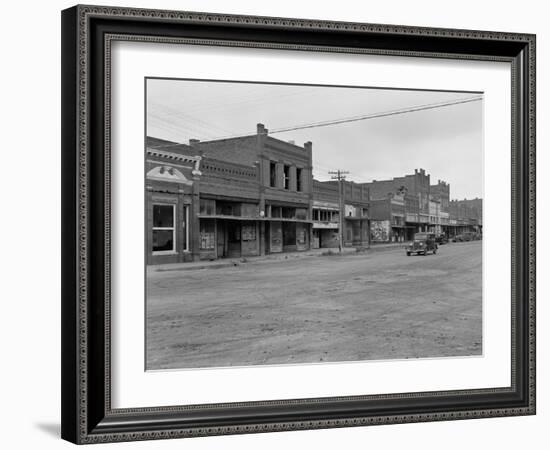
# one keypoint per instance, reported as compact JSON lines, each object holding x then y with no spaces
{"x":415,"y":192}
{"x":329,"y":204}
{"x":388,"y":217}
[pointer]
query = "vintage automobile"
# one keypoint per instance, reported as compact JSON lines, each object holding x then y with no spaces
{"x":468,"y":236}
{"x":441,"y":239}
{"x":422,"y":244}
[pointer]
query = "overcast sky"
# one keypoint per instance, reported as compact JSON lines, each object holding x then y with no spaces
{"x":447,"y":141}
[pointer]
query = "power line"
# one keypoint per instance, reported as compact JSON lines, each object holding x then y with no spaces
{"x":376,"y":115}
{"x":396,"y":112}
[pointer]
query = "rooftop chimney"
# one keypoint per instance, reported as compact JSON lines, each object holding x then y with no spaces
{"x":261,"y":129}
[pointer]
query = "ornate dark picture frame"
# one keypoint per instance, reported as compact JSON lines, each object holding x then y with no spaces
{"x":87,"y":34}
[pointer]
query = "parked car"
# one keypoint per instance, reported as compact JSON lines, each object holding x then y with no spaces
{"x":468,"y":236}
{"x":441,"y":239}
{"x":422,"y":244}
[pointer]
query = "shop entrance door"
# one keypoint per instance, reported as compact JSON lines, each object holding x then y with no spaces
{"x":289,"y":236}
{"x":233,"y":239}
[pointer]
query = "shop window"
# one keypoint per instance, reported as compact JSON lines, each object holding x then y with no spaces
{"x":249,"y":232}
{"x":164,"y":231}
{"x":301,"y":238}
{"x":289,"y":213}
{"x":228,"y":208}
{"x":315,"y":214}
{"x":286,"y":177}
{"x":301,"y":213}
{"x":249,"y":210}
{"x":207,"y":234}
{"x":207,"y":207}
{"x":299,"y":186}
{"x":272,"y":174}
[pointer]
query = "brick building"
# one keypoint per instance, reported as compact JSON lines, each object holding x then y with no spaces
{"x":327,"y":209}
{"x":441,"y":192}
{"x":243,"y":196}
{"x":409,"y":204}
{"x":400,"y":206}
{"x":466,"y":215}
{"x":388,"y":217}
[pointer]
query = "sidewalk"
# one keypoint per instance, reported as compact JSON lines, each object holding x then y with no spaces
{"x":228,"y":262}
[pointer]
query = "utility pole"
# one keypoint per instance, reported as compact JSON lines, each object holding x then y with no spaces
{"x":340,"y":175}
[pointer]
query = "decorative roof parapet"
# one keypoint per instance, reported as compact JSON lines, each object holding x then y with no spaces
{"x":178,"y":157}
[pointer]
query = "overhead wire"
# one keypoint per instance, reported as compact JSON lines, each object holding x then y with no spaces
{"x":376,"y":115}
{"x":395,"y":112}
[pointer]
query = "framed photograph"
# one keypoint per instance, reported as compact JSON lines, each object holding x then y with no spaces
{"x":276,"y":224}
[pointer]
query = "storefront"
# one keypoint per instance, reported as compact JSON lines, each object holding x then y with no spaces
{"x":286,"y":235}
{"x":228,"y":229}
{"x":169,"y":204}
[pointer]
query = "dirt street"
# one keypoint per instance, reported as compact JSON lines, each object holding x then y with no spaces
{"x":382,"y":305}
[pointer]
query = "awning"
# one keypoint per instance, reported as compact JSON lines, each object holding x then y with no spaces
{"x":259,"y":219}
{"x":325,"y":226}
{"x":356,"y":218}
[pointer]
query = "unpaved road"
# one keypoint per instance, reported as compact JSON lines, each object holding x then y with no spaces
{"x":383,"y":305}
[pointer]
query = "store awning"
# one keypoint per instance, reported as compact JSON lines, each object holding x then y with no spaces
{"x":244,"y":218}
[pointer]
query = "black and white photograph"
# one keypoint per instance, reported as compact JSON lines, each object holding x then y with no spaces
{"x":311,"y":224}
{"x":274,"y":220}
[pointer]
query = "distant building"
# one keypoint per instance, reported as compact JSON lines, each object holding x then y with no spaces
{"x":466,"y":215}
{"x":408,"y":197}
{"x":409,"y":204}
{"x":388,"y":217}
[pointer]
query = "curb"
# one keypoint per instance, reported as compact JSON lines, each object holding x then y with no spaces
{"x":291,"y":256}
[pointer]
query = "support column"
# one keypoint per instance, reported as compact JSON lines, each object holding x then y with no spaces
{"x":194,"y":221}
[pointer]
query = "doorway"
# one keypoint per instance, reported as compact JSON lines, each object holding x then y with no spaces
{"x":229,"y":239}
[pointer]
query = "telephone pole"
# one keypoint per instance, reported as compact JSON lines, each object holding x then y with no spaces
{"x":340,"y":175}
